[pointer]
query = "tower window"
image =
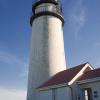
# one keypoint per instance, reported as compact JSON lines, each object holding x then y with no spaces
{"x":47,"y":7}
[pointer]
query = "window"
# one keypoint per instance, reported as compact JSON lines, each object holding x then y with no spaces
{"x":95,"y":94}
{"x":48,"y":7}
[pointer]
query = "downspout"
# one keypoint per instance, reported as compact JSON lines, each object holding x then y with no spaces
{"x":53,"y":94}
{"x":71,"y":92}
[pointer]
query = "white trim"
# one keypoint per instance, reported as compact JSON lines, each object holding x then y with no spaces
{"x":80,"y":73}
{"x":53,"y":86}
{"x":88,"y":80}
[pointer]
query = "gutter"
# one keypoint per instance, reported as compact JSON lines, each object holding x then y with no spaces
{"x":52,"y":87}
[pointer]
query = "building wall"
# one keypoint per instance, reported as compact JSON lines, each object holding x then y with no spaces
{"x":45,"y":95}
{"x":76,"y":92}
{"x":95,"y":86}
{"x":63,"y":93}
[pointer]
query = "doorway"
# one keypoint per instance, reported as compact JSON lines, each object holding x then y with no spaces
{"x":88,"y":94}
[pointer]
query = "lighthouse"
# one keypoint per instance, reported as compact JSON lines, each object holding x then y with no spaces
{"x":47,"y":56}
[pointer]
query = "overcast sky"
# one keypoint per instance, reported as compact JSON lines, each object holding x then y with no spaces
{"x":81,"y":36}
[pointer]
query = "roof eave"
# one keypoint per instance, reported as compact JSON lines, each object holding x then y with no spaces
{"x":88,"y":80}
{"x":53,"y":86}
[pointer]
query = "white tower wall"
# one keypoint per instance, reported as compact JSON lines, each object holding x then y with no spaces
{"x":47,"y":52}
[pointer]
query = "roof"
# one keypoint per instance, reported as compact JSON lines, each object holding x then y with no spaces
{"x":90,"y":74}
{"x":63,"y":76}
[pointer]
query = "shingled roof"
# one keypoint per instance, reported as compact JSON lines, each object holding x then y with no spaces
{"x":63,"y":76}
{"x":91,"y":74}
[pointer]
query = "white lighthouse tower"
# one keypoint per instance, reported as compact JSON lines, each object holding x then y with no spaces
{"x":47,"y":49}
